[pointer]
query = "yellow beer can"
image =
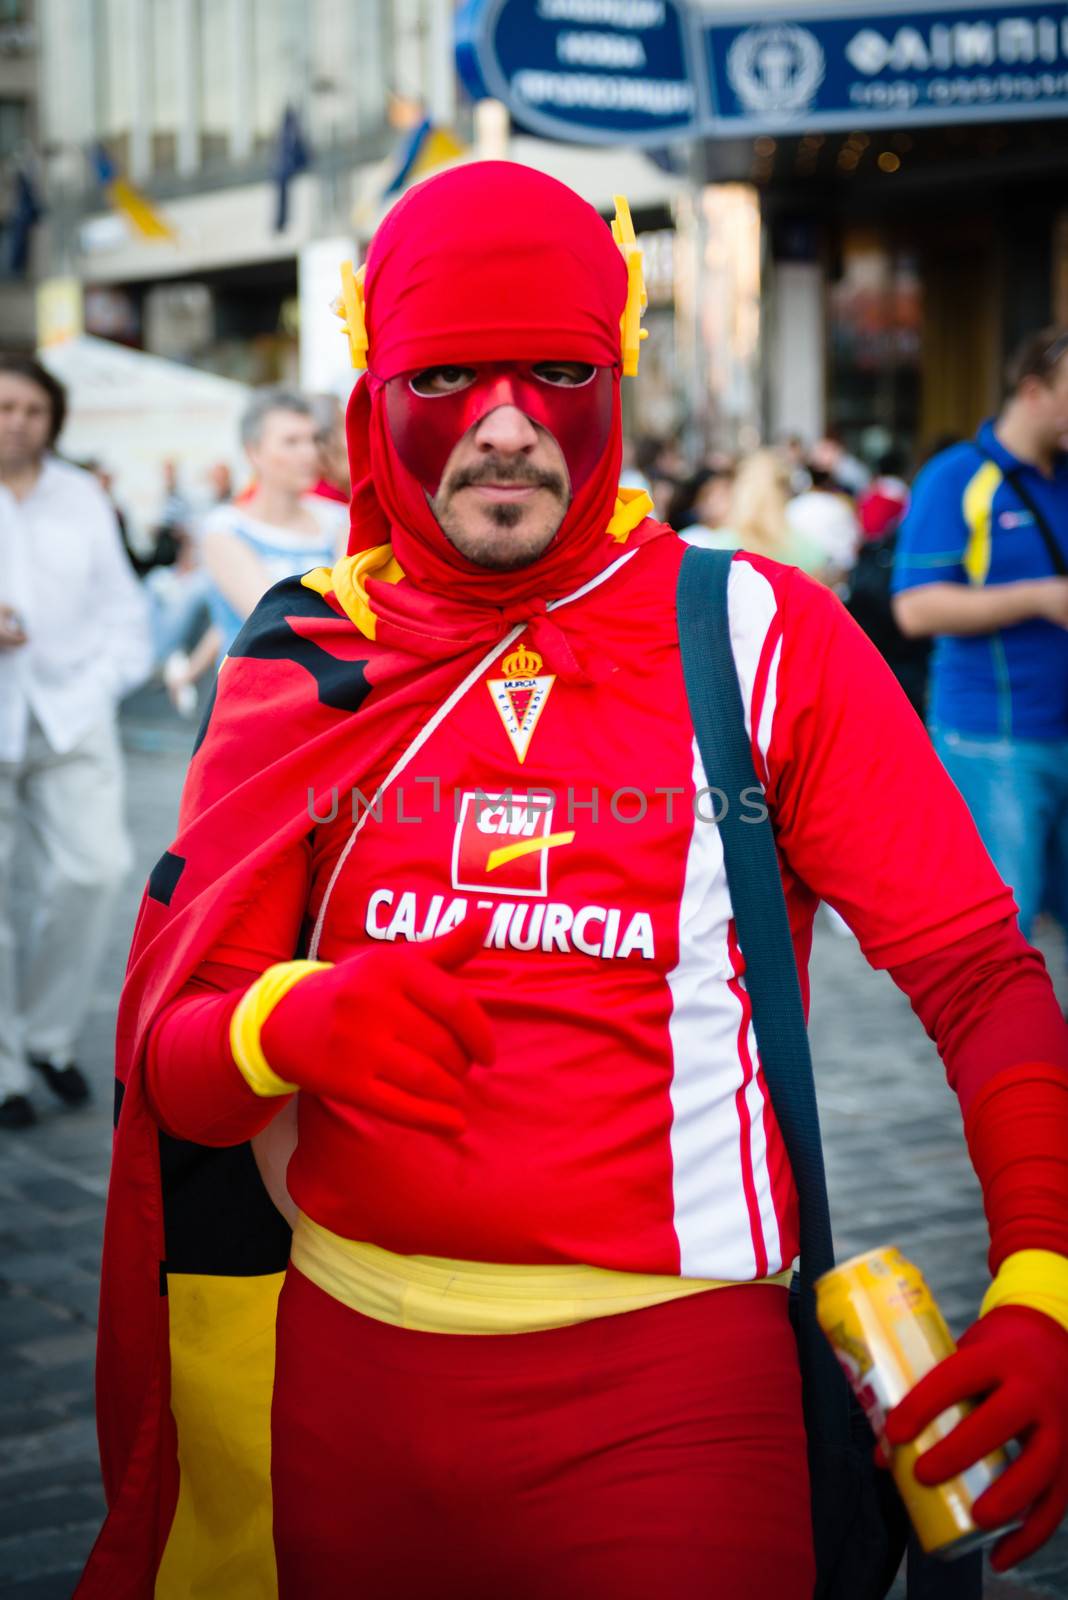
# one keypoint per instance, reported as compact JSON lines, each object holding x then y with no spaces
{"x":887,"y":1332}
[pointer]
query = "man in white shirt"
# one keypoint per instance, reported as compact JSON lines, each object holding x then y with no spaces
{"x":74,"y":639}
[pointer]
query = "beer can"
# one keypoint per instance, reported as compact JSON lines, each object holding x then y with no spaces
{"x":887,"y":1332}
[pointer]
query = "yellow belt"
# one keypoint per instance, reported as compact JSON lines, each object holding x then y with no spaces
{"x":433,"y":1295}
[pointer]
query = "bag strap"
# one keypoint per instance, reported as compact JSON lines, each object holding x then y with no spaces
{"x":1049,"y":538}
{"x":755,"y":884}
{"x":759,"y":908}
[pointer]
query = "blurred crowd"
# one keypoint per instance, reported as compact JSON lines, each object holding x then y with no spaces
{"x":812,"y":505}
{"x":216,"y":547}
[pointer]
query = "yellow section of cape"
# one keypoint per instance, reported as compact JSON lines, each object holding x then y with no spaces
{"x":347,"y":579}
{"x":221,"y":1545}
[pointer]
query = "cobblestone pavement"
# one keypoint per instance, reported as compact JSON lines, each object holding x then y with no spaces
{"x":897,"y":1166}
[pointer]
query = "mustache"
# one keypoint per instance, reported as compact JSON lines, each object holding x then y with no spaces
{"x":505,"y":469}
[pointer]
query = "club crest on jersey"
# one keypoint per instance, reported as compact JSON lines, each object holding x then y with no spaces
{"x":520,"y":697}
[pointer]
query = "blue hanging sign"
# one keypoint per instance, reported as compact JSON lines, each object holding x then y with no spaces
{"x":598,"y":71}
{"x":649,"y":72}
{"x":863,"y":67}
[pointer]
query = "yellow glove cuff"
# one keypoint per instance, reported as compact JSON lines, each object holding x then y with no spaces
{"x":1037,"y":1279}
{"x":252,"y":1011}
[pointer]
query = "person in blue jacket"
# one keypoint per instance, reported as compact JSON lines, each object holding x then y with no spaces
{"x":982,"y":566}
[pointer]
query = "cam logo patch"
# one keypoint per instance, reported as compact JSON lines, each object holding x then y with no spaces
{"x":502,"y":842}
{"x":520,"y":697}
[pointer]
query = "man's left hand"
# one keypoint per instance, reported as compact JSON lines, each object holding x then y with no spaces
{"x":1013,"y":1364}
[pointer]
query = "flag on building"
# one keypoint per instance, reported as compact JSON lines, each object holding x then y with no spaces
{"x":123,"y":197}
{"x":26,"y":212}
{"x":423,"y":148}
{"x":291,"y":157}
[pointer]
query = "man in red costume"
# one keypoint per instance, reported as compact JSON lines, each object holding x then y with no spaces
{"x":444,"y":865}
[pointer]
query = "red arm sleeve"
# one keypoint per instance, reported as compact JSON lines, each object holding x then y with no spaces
{"x":987,"y":1002}
{"x":192,"y":1083}
{"x":191,"y":1079}
{"x":1017,"y":1132}
{"x":865,"y":813}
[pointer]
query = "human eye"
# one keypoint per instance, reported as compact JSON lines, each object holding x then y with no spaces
{"x":564,"y":374}
{"x":442,"y":380}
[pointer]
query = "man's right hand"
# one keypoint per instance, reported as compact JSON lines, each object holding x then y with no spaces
{"x":393,"y":1031}
{"x":12,"y":633}
{"x":1051,"y":600}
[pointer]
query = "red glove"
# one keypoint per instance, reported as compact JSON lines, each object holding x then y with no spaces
{"x":1014,"y":1363}
{"x":391,"y":1030}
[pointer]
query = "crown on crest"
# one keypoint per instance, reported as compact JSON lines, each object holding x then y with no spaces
{"x":522,"y":663}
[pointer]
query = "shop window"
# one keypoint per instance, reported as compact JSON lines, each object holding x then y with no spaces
{"x":217,"y":80}
{"x":14,"y":127}
{"x":114,"y":88}
{"x":164,"y":109}
{"x":876,"y":310}
{"x":179,"y":320}
{"x":164,"y":152}
{"x":280,"y":48}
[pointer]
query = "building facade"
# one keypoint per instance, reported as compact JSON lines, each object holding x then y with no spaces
{"x":187,"y":98}
{"x":853,"y":210}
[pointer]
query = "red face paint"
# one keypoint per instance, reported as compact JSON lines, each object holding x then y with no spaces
{"x":426,"y":428}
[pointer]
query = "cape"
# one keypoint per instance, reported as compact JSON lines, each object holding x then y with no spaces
{"x":320,"y":694}
{"x":194,"y":1249}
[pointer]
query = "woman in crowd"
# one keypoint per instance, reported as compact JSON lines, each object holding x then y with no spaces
{"x":758,"y":519}
{"x":700,"y":507}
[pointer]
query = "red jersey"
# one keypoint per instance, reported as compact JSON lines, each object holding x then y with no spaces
{"x":625,"y":1122}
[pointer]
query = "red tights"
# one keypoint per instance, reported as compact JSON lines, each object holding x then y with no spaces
{"x":655,"y":1453}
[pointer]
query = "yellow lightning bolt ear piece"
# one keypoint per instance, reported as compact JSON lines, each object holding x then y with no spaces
{"x":349,"y":307}
{"x":631,"y":332}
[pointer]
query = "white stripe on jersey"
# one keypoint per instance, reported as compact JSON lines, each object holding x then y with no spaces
{"x":711,"y":1215}
{"x":751,"y":609}
{"x":712,"y":1220}
{"x":767,"y":710}
{"x":758,"y":1149}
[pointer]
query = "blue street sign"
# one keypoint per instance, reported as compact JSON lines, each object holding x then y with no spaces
{"x":599,"y":71}
{"x":653,"y":71}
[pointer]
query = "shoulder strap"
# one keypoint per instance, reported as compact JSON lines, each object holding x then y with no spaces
{"x":755,"y":885}
{"x":759,"y":907}
{"x":1049,"y":538}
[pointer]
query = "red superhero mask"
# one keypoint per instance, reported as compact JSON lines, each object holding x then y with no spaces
{"x":500,"y":270}
{"x":430,"y":411}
